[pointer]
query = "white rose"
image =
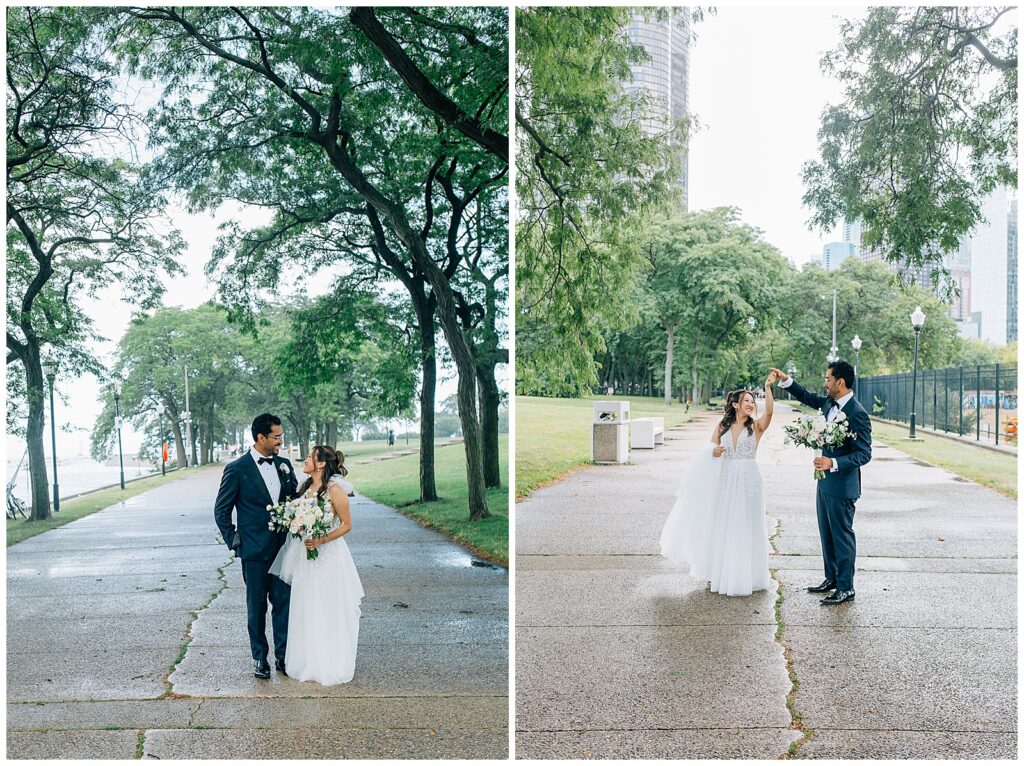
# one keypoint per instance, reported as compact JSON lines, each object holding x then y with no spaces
{"x":270,"y":507}
{"x":283,"y":468}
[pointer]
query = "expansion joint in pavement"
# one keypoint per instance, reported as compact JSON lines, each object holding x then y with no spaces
{"x":140,"y":746}
{"x":222,"y":576}
{"x":795,"y":718}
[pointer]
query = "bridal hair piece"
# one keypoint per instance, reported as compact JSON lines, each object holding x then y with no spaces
{"x":334,"y":463}
{"x":733,"y":398}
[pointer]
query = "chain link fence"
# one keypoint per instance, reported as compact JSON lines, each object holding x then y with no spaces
{"x":978,"y":402}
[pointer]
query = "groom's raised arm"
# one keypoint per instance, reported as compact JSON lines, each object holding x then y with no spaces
{"x":802,"y":395}
{"x":226,"y":497}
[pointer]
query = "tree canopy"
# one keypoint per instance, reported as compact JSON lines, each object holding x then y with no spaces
{"x":81,"y":215}
{"x":587,"y":171}
{"x":927,"y":128}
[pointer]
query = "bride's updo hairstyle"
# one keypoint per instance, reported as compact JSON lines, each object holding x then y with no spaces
{"x":734,"y":398}
{"x":334,"y":463}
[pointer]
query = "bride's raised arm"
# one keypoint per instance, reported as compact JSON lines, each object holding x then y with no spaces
{"x":765,"y":420}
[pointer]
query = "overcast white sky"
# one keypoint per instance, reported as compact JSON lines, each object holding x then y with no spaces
{"x":756,"y":87}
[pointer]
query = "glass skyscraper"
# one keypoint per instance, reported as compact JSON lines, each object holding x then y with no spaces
{"x":665,"y":77}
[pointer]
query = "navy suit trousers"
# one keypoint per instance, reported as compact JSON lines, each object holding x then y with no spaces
{"x":261,"y":586}
{"x":838,"y":543}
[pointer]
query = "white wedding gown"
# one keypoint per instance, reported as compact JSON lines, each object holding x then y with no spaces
{"x":323,"y":615}
{"x":718,"y":524}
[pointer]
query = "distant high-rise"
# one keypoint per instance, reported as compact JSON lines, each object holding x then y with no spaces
{"x":834,"y":253}
{"x":851,"y":232}
{"x":994,"y":267}
{"x":958,"y":264}
{"x":665,"y":77}
{"x":1011,"y":272}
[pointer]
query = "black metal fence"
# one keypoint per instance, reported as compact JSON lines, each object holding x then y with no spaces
{"x":978,"y":402}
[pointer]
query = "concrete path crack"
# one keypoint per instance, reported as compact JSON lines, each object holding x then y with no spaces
{"x":183,"y":651}
{"x":796,"y":719}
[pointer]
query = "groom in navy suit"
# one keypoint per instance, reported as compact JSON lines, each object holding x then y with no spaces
{"x":252,"y":482}
{"x":839,"y":490}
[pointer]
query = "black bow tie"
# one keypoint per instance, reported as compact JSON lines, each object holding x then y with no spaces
{"x":262,"y":460}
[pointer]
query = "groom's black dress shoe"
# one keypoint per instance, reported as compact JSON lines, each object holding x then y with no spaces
{"x":261,"y":668}
{"x":825,"y":587}
{"x":838,"y":597}
{"x":280,"y":667}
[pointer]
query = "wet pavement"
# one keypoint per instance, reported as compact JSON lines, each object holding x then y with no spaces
{"x":621,"y":655}
{"x":126,"y":638}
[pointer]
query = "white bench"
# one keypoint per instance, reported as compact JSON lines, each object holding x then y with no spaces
{"x":647,"y":433}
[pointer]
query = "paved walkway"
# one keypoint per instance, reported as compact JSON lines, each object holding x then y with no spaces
{"x":621,"y":655}
{"x":126,"y":638}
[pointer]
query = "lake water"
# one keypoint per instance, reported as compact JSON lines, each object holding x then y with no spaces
{"x":78,"y":474}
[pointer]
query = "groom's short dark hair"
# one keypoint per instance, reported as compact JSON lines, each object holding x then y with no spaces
{"x":844,"y":370}
{"x":262,"y":424}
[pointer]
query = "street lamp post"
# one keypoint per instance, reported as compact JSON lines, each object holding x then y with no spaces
{"x":187,"y":415}
{"x":917,"y":320}
{"x":856,"y":343}
{"x":163,"y":461}
{"x":117,"y":424}
{"x":50,"y":368}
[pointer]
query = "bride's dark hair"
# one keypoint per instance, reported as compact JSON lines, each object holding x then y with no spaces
{"x":735,"y":397}
{"x":334,"y":463}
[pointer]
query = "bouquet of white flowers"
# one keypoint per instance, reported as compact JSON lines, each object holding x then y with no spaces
{"x":304,"y":517}
{"x":815,"y":432}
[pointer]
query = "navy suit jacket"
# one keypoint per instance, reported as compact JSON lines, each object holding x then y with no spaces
{"x":844,"y":482}
{"x":242,"y":488}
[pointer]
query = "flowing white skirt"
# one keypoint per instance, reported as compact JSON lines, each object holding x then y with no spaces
{"x":718,"y":525}
{"x":323,"y":615}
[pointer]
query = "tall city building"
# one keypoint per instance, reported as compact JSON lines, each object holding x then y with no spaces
{"x":834,"y":253}
{"x":851,"y":232}
{"x":957,"y":264}
{"x":665,"y":77}
{"x":994,"y":267}
{"x":1011,"y":272}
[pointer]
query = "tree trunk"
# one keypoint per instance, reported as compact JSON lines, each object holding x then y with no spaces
{"x":693,"y":381}
{"x":448,"y":315}
{"x":35,"y":432}
{"x":332,"y":434}
{"x":179,"y":439}
{"x":428,"y":391}
{"x":425,"y":307}
{"x":490,"y":401}
{"x":669,"y":349}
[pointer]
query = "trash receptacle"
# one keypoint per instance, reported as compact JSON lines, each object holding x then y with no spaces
{"x":610,"y":439}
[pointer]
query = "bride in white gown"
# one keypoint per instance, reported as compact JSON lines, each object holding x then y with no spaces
{"x":717,"y":524}
{"x":323,"y":616}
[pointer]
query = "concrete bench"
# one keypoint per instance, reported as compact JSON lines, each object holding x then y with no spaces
{"x":647,"y":433}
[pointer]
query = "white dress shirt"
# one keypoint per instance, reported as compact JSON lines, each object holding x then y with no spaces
{"x":269,"y":473}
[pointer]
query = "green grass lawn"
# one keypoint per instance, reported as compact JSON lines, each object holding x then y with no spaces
{"x":19,"y":529}
{"x":553,"y":435}
{"x":992,"y":469}
{"x":396,"y":483}
{"x":360,"y":450}
{"x":986,"y":467}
